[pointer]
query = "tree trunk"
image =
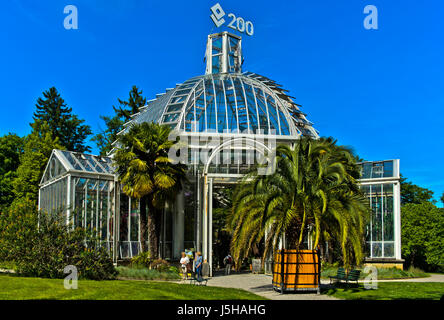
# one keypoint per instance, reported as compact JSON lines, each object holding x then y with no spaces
{"x":143,"y":223}
{"x":330,"y":253}
{"x":153,"y":233}
{"x":322,"y":251}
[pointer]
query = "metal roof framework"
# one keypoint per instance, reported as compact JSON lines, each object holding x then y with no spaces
{"x":62,"y":163}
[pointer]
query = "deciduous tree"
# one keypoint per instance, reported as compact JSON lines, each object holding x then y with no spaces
{"x":11,"y":148}
{"x":422,"y":234}
{"x":37,"y":150}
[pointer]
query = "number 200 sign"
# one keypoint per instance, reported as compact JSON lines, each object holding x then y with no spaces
{"x":238,"y":23}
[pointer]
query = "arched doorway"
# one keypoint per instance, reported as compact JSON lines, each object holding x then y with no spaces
{"x":246,"y":147}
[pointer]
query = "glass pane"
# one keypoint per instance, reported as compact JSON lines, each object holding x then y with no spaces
{"x":220,"y":106}
{"x":389,"y":250}
{"x":124,"y":203}
{"x":210,"y":105}
{"x":103,"y":209}
{"x":251,"y":104}
{"x":79,"y":203}
{"x":262,"y":109}
{"x":377,"y":250}
{"x":284,"y":124}
{"x":215,"y":64}
{"x":91,"y":205}
{"x":135,"y":213}
{"x":388,"y":213}
{"x":388,"y":168}
{"x":241,"y":106}
{"x":274,"y":123}
{"x":376,"y":213}
{"x":231,"y":106}
{"x":200,"y":109}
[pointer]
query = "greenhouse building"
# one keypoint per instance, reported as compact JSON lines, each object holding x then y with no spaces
{"x":230,"y":120}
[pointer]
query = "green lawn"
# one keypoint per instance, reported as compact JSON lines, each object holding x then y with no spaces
{"x":20,"y":288}
{"x":383,"y":273}
{"x":392,"y":291}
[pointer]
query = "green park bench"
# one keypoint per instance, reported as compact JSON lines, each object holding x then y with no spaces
{"x":340,"y":276}
{"x":353,"y":276}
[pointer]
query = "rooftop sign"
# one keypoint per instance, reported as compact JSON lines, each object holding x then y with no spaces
{"x":236,"y":23}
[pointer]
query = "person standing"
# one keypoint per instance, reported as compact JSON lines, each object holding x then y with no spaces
{"x":198,"y":265}
{"x":184,"y":264}
{"x":228,"y":261}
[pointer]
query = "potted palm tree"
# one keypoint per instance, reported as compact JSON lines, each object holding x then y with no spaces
{"x":311,"y":195}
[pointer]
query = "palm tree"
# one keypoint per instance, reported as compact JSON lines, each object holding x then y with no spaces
{"x":146,"y":173}
{"x":313,"y":188}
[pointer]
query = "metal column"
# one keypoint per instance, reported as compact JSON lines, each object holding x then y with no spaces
{"x":205,"y":219}
{"x":68,"y":201}
{"x":210,"y":226}
{"x":198,"y":213}
{"x":116,"y":221}
{"x":178,"y":225}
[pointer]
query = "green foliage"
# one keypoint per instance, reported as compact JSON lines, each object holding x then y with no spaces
{"x":174,"y":269}
{"x":422,"y":234}
{"x":37,"y":150}
{"x":146,"y":172}
{"x":11,"y":147}
{"x":312,"y":191}
{"x":42,"y":245}
{"x":147,"y":274}
{"x":17,"y":226}
{"x":141,"y":260}
{"x":114,"y":124}
{"x":411,"y":193}
{"x":160,"y":265}
{"x":63,"y":124}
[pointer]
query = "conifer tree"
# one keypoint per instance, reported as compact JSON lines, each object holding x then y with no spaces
{"x":122,"y":114}
{"x":63,"y":124}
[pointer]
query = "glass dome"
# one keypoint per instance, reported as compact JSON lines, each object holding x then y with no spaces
{"x":225,"y":100}
{"x":228,"y":102}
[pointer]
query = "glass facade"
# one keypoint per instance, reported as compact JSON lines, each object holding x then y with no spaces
{"x":81,"y":188}
{"x":380,"y":231}
{"x":251,"y":112}
{"x":380,"y":183}
{"x":377,"y":169}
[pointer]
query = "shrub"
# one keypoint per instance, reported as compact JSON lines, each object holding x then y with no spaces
{"x":146,"y":274}
{"x":174,"y":269}
{"x":45,"y":251}
{"x":160,"y":265}
{"x":141,"y":260}
{"x":17,"y":224}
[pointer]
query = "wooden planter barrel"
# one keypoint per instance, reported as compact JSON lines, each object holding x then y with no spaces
{"x":296,"y":270}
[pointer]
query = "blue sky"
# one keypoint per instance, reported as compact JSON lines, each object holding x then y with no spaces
{"x":380,"y":91}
